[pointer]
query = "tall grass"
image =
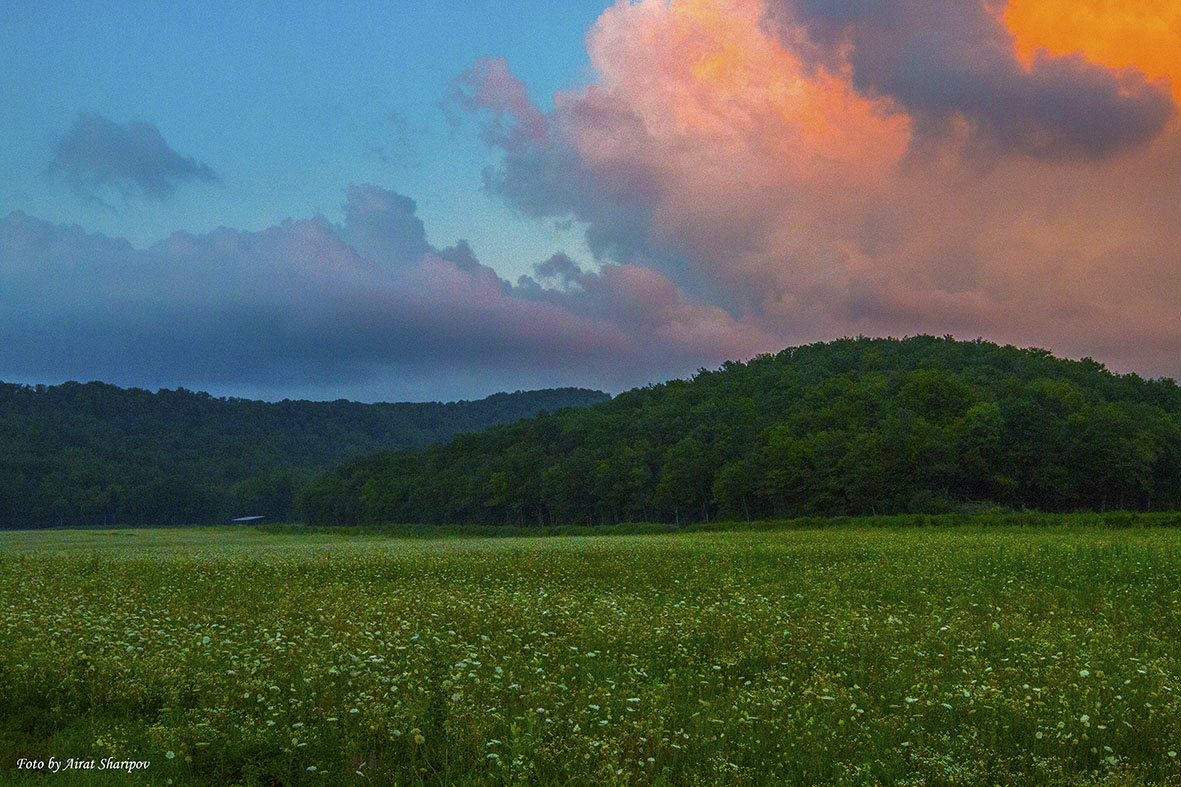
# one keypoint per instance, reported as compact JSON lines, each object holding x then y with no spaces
{"x":1045,"y":653}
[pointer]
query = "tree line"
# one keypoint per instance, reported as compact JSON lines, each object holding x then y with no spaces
{"x":96,"y":455}
{"x":856,"y":426}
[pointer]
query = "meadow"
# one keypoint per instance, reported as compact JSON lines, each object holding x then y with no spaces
{"x":837,"y":655}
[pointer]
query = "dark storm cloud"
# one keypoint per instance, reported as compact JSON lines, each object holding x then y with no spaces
{"x":99,"y":156}
{"x":944,"y":60}
{"x":340,"y":308}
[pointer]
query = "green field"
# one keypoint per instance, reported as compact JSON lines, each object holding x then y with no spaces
{"x":847,"y":655}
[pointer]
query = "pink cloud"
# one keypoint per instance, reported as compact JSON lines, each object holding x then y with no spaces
{"x":721,"y":149}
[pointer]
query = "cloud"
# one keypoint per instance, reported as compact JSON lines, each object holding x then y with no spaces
{"x":332,"y":310}
{"x":945,"y":62}
{"x":559,"y":268}
{"x":750,"y":174}
{"x":490,"y":85}
{"x":1141,"y":35}
{"x":544,"y":174}
{"x":792,"y":170}
{"x":382,"y":225}
{"x":99,"y":157}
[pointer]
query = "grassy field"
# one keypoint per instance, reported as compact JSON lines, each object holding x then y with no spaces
{"x":848,"y":655}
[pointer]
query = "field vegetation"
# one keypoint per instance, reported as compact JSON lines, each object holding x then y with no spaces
{"x":849,"y":654}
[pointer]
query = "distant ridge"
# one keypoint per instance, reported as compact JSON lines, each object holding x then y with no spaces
{"x":855,"y":426}
{"x":95,"y":454}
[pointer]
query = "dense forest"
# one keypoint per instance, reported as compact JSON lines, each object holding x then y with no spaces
{"x":95,"y":454}
{"x":856,"y":426}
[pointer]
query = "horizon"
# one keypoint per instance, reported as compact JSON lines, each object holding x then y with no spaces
{"x":610,"y":394}
{"x":398,"y":204}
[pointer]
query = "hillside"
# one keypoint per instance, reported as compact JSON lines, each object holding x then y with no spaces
{"x":95,"y":454}
{"x":856,"y":426}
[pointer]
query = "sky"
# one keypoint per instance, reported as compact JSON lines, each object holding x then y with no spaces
{"x":433,"y":201}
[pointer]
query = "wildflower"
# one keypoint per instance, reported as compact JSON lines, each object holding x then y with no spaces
{"x":419,"y":739}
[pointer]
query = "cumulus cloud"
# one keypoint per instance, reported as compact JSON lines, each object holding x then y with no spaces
{"x":99,"y":157}
{"x":382,"y":225}
{"x":365,"y":308}
{"x":544,"y":175}
{"x":956,"y":61}
{"x":814,"y":168}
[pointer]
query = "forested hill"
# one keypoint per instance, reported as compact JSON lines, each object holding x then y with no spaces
{"x":95,"y":454}
{"x":848,"y":427}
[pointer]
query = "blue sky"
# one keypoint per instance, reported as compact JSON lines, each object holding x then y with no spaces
{"x":288,"y":103}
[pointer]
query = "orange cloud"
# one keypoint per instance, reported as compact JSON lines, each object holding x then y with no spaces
{"x":711,"y":69}
{"x":1144,"y":34}
{"x":722,"y":116}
